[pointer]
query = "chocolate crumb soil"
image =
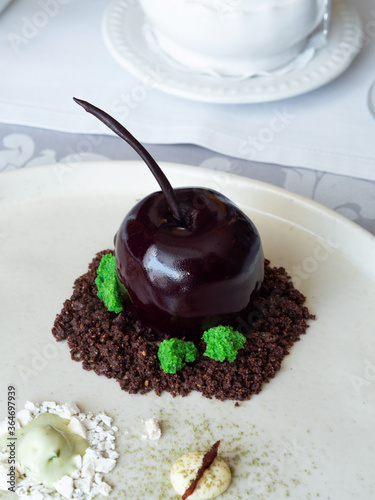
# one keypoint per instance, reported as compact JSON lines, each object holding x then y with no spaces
{"x":117,"y":346}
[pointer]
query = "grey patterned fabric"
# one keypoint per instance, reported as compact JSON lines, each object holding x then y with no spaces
{"x":24,"y":147}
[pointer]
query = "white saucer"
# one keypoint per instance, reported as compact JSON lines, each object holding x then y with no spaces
{"x":123,"y":35}
{"x":308,"y":434}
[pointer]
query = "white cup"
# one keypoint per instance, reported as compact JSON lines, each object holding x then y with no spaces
{"x":233,"y":37}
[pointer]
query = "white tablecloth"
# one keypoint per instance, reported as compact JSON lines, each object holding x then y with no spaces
{"x":329,"y":129}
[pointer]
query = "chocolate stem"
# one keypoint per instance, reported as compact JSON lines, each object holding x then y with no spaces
{"x":121,"y":131}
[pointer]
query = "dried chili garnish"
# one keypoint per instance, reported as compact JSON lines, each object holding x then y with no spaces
{"x":208,"y":458}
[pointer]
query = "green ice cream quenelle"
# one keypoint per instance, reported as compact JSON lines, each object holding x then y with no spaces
{"x":47,"y":449}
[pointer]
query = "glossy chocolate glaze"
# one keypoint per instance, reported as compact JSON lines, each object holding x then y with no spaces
{"x":184,"y":278}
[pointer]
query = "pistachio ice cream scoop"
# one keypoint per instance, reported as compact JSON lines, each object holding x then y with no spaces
{"x":48,"y":450}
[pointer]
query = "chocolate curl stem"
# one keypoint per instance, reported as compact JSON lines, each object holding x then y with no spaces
{"x":206,"y":464}
{"x":122,"y":132}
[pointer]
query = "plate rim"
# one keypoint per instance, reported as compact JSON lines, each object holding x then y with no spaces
{"x":340,"y":55}
{"x":200,"y":172}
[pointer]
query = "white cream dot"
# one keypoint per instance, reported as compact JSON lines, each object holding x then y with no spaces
{"x":213,"y":483}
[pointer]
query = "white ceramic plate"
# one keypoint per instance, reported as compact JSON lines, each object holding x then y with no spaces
{"x":122,"y":31}
{"x":308,"y":434}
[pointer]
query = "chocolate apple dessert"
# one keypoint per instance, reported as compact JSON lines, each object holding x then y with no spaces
{"x":183,"y":276}
{"x":186,"y":301}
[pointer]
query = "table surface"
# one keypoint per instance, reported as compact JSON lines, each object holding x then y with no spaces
{"x":24,"y":147}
